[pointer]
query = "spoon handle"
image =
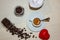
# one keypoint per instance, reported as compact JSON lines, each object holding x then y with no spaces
{"x":46,"y":20}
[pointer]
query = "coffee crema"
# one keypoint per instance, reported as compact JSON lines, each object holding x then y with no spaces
{"x":36,"y":21}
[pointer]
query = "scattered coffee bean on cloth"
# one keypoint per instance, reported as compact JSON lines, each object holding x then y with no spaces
{"x":16,"y":31}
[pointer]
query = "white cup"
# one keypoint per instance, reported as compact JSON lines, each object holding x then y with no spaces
{"x":36,"y":3}
{"x":39,"y":22}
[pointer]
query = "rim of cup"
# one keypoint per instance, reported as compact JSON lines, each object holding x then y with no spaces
{"x":35,"y":24}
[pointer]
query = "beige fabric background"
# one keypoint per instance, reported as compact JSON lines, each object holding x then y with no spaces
{"x":51,"y":8}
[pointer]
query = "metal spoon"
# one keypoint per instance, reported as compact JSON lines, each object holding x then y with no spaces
{"x":45,"y":20}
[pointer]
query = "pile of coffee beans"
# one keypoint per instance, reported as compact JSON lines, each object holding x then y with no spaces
{"x":16,"y":31}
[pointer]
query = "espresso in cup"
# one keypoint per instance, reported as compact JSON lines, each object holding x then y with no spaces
{"x":36,"y":22}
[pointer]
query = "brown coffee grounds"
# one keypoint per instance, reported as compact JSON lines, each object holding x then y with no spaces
{"x":15,"y":31}
{"x":19,"y":11}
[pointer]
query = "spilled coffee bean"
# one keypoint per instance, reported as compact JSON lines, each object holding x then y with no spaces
{"x":16,"y":31}
{"x":31,"y":33}
{"x":24,"y":29}
{"x":19,"y":39}
{"x":33,"y":36}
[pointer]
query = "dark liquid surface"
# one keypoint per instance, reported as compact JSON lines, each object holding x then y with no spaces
{"x":36,"y":21}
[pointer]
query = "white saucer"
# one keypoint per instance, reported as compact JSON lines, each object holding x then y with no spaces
{"x":31,"y":17}
{"x":36,"y":3}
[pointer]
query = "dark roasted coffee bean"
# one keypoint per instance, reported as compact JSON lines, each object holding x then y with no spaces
{"x":22,"y":36}
{"x":24,"y":28}
{"x":16,"y":29}
{"x":33,"y":36}
{"x":19,"y":32}
{"x":29,"y":36}
{"x":11,"y":28}
{"x":12,"y":33}
{"x":26,"y":38}
{"x":18,"y":36}
{"x":31,"y":33}
{"x":19,"y":39}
